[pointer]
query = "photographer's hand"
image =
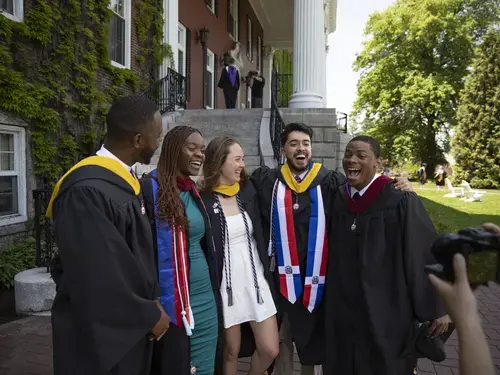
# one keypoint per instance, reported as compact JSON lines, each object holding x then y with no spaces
{"x":458,"y":297}
{"x":491,"y":228}
{"x":461,"y":304}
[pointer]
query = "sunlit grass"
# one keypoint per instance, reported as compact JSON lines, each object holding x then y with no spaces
{"x":453,"y":214}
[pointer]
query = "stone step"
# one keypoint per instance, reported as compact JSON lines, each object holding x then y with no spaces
{"x":190,"y":113}
{"x":242,"y":128}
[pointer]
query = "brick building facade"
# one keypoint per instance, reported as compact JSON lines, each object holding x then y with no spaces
{"x":17,"y":180}
{"x":228,"y":22}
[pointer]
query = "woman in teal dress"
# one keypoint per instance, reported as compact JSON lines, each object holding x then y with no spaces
{"x":185,"y":257}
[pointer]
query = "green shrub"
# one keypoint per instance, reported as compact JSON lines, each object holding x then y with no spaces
{"x":14,"y":259}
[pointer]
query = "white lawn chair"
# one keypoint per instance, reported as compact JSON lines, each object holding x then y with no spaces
{"x":455,"y":192}
{"x":472,"y":195}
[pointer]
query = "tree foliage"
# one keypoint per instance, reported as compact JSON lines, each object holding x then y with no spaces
{"x":412,"y":66}
{"x":476,"y":144}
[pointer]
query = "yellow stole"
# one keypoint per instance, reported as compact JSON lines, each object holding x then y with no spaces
{"x":300,"y":187}
{"x":228,"y":190}
{"x":101,"y":161}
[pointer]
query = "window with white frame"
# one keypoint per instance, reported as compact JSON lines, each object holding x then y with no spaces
{"x":12,"y":9}
{"x":210,"y":84}
{"x":120,"y":33}
{"x":233,"y":19}
{"x":249,"y":39}
{"x":210,"y":5}
{"x":181,"y":49}
{"x":12,"y":175}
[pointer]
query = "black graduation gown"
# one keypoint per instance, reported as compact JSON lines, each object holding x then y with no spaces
{"x":172,"y":354}
{"x":230,"y":91}
{"x":249,"y":201}
{"x":105,"y":303}
{"x":307,"y":328}
{"x":376,"y":285}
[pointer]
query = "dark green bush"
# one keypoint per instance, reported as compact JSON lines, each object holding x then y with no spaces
{"x":14,"y":259}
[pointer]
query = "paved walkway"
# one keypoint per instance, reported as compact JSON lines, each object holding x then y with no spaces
{"x":26,"y":344}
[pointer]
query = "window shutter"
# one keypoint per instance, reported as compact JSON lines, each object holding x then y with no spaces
{"x":215,"y":79}
{"x":216,"y":7}
{"x":188,"y":64}
{"x":208,"y":3}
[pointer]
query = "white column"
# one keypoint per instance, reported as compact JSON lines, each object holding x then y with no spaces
{"x":322,"y":75}
{"x":308,"y":53}
{"x":267,"y":73}
{"x":170,"y":32}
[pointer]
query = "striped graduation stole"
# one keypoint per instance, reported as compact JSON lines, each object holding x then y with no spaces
{"x":173,"y":271}
{"x":287,"y":256}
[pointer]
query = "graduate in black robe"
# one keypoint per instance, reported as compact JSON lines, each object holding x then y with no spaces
{"x":229,"y":82}
{"x":194,"y":343}
{"x":105,"y":312}
{"x":302,"y":326}
{"x":377,"y":290}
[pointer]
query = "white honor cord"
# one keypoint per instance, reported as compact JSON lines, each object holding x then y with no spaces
{"x":183,"y":312}
{"x":270,"y":246}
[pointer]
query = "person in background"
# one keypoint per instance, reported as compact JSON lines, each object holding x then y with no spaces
{"x":258,"y":83}
{"x":242,"y":262}
{"x":293,"y":203}
{"x":475,"y":357}
{"x":106,"y":313}
{"x":422,"y":175}
{"x":229,"y":82}
{"x":440,"y":177}
{"x":377,"y":292}
{"x":185,"y":258}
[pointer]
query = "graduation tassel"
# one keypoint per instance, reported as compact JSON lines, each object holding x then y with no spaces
{"x":229,"y":296}
{"x":189,"y":332}
{"x":272,"y":263}
{"x":260,"y":300}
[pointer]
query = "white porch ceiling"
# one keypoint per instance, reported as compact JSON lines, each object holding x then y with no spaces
{"x":276,"y":17}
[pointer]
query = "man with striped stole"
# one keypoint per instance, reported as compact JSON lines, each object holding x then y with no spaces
{"x":293,"y":202}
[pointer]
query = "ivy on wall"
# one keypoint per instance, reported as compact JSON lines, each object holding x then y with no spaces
{"x":51,"y":68}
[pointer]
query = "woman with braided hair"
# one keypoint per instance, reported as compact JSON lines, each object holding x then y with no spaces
{"x":242,"y":260}
{"x":185,"y":259}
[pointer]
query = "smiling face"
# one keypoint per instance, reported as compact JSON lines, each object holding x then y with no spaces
{"x":297,"y":150}
{"x":360,"y":164}
{"x":233,"y":165}
{"x":192,"y":155}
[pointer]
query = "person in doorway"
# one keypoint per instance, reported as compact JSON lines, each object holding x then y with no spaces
{"x":106,"y":313}
{"x":242,"y":261}
{"x":258,"y":83}
{"x":185,"y":259}
{"x":379,"y":242}
{"x":293,"y":205}
{"x":229,"y":82}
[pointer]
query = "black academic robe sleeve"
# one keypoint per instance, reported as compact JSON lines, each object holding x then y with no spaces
{"x":418,"y":236}
{"x":102,"y":277}
{"x":222,"y":79}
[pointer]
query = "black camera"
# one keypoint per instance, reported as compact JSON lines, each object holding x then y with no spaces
{"x":480,"y":249}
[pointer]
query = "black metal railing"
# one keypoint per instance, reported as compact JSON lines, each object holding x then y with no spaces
{"x":169,"y":93}
{"x":277,"y":124}
{"x":283,"y":88}
{"x":342,"y":121}
{"x":44,"y":232}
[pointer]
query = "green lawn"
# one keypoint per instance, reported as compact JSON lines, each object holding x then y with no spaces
{"x":453,"y":214}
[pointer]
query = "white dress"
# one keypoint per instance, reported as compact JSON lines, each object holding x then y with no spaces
{"x":245,"y":307}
